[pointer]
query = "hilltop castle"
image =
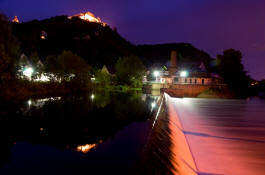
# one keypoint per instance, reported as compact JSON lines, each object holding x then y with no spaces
{"x":15,"y":19}
{"x":88,"y":16}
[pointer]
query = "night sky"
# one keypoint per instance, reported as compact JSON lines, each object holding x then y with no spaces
{"x":210,"y":25}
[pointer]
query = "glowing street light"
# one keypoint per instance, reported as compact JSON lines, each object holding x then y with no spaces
{"x":93,"y":79}
{"x":29,"y":103}
{"x":153,"y":105}
{"x":28,"y":72}
{"x":156,"y":73}
{"x":184,"y":73}
{"x":92,"y":96}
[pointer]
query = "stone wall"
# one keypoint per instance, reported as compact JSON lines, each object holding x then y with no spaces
{"x":191,"y":90}
{"x":188,"y":90}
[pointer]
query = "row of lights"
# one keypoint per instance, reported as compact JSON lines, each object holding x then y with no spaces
{"x":183,"y":73}
{"x":58,"y":98}
{"x":28,"y":72}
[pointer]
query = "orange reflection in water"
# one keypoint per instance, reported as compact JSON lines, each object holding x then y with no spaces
{"x":85,"y":148}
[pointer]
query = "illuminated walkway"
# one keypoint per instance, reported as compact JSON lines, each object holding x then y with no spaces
{"x":207,"y":140}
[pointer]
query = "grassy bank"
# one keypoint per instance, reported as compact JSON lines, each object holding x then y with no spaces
{"x":217,"y":92}
{"x":118,"y":88}
{"x":23,"y":89}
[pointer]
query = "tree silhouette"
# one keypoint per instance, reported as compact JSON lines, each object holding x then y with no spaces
{"x":232,"y":70}
{"x":130,"y":70}
{"x":66,"y":64}
{"x":9,"y":49}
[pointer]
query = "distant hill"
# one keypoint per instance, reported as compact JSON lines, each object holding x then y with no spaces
{"x":189,"y":57}
{"x":98,"y":44}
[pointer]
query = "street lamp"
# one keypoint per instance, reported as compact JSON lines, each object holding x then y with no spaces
{"x":153,"y":104}
{"x":28,"y":72}
{"x":184,"y":73}
{"x":156,"y":74}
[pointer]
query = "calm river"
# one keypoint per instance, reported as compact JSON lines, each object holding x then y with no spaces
{"x":106,"y":133}
{"x":102,"y":133}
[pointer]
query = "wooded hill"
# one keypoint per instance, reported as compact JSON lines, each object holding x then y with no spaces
{"x":188,"y":57}
{"x":97,"y":44}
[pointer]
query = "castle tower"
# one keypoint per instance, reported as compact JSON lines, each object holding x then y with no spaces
{"x":15,"y":19}
{"x":173,"y":63}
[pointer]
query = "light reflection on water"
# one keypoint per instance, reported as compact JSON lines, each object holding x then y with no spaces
{"x":113,"y":131}
{"x":79,"y":132}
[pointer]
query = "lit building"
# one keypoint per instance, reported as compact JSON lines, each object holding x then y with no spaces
{"x":43,"y":35}
{"x":199,"y":76}
{"x":15,"y":19}
{"x":85,"y":148}
{"x":88,"y":16}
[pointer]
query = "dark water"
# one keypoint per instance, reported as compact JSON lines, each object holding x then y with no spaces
{"x":107,"y":133}
{"x":102,"y":133}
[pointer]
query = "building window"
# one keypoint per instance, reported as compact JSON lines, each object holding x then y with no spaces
{"x":185,"y":80}
{"x":202,"y":81}
{"x":190,"y":81}
{"x":195,"y":81}
{"x":176,"y":79}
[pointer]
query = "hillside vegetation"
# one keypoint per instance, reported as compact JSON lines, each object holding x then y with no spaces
{"x":97,"y":44}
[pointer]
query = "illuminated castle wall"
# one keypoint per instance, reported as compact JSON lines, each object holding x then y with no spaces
{"x":15,"y":19}
{"x":88,"y":16}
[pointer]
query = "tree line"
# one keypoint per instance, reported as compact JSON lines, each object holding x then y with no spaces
{"x":68,"y":69}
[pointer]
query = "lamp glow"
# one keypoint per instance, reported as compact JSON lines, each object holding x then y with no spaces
{"x":156,"y":73}
{"x":183,"y":73}
{"x":43,"y":78}
{"x":28,"y":72}
{"x":29,"y":102}
{"x":85,"y":148}
{"x":153,"y":105}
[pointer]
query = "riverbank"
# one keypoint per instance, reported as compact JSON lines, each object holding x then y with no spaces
{"x":18,"y":90}
{"x":191,"y":90}
{"x":117,"y":88}
{"x":217,"y":92}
